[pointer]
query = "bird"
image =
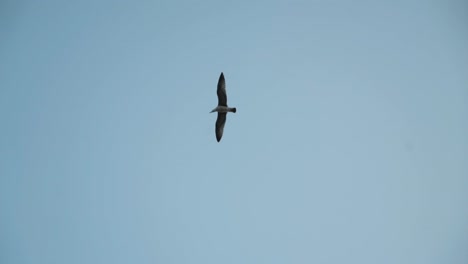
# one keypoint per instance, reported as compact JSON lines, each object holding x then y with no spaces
{"x":222,"y":107}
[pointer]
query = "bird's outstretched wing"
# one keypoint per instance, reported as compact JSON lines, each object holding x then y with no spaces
{"x":220,"y":121}
{"x":222,"y":97}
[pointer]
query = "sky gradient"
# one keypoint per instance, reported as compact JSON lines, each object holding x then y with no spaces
{"x":349,"y":145}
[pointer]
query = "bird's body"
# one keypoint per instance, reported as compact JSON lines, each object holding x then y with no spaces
{"x":222,"y":108}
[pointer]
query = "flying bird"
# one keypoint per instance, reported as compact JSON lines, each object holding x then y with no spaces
{"x":222,"y":107}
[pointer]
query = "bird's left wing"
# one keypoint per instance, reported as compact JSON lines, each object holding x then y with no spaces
{"x":222,"y":97}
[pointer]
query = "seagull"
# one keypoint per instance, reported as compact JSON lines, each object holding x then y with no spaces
{"x":222,"y":107}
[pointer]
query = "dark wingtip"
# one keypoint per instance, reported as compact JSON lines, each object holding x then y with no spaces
{"x":221,"y":77}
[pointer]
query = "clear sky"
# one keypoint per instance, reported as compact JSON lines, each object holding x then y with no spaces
{"x":349,"y":145}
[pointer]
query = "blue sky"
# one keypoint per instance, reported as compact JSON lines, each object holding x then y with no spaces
{"x":349,"y":145}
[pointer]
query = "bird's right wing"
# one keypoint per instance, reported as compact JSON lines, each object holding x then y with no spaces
{"x":220,"y":121}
